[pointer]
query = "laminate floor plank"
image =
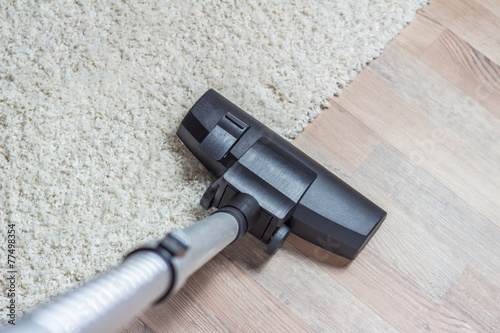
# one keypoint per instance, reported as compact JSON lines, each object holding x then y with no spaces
{"x":426,"y":212}
{"x":472,"y":22}
{"x":136,"y":326}
{"x":427,"y":144}
{"x":340,"y":134}
{"x":388,"y":291}
{"x":238,"y":301}
{"x":182,"y":313}
{"x":457,"y":114}
{"x":477,"y":298}
{"x":420,"y":34}
{"x":492,"y":5}
{"x":469,"y":70}
{"x":308,"y":291}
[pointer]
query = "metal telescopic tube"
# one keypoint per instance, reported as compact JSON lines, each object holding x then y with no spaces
{"x":207,"y":237}
{"x":144,"y":277}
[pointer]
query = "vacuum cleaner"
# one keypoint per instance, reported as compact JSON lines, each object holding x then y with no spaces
{"x":263,"y":186}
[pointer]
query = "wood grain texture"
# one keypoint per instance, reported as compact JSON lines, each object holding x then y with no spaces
{"x":479,"y":77}
{"x":318,"y":300}
{"x":136,"y":326}
{"x":417,"y":132}
{"x":492,"y":5}
{"x":432,"y":147}
{"x":472,"y":21}
{"x":477,"y":298}
{"x":171,"y":316}
{"x":420,"y":34}
{"x":372,"y":279}
{"x":339,"y":134}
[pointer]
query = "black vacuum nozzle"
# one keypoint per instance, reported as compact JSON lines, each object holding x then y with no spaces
{"x":294,"y":192}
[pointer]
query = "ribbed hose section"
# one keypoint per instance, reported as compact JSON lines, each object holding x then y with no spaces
{"x":104,"y":304}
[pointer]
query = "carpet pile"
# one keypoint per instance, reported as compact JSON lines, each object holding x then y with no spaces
{"x":91,"y":94}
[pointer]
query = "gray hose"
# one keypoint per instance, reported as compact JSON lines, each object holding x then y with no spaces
{"x":102,"y":305}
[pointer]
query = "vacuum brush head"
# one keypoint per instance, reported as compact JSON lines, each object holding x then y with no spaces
{"x":295,"y":193}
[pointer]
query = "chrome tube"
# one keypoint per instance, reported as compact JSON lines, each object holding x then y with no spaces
{"x":145,"y":276}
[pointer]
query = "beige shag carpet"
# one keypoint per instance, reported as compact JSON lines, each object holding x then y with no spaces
{"x":91,"y":95}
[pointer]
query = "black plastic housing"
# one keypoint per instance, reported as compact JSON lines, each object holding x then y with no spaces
{"x":289,"y":186}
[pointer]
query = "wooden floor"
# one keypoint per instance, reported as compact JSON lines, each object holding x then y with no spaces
{"x":418,"y":132}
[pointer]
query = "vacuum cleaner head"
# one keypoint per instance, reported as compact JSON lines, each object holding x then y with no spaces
{"x":295,"y":193}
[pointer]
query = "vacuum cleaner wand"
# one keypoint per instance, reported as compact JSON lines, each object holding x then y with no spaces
{"x":264,"y":186}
